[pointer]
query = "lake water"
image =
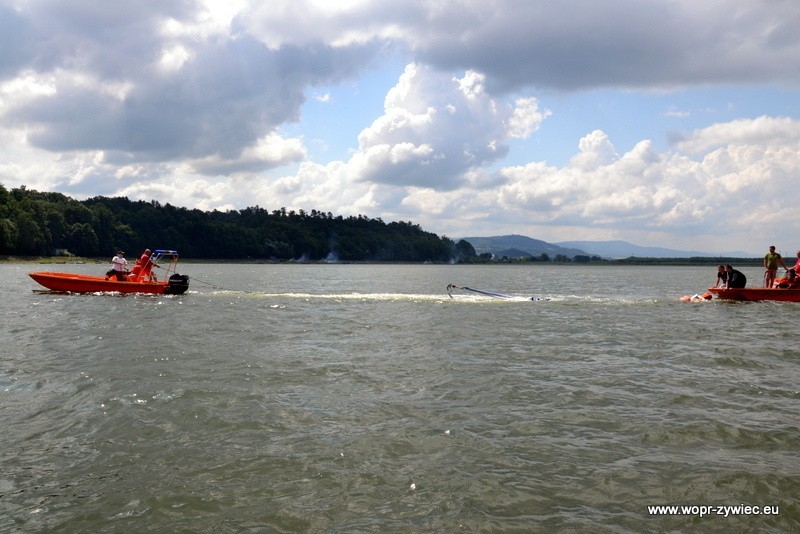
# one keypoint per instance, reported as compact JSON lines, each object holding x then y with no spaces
{"x":361,"y":398}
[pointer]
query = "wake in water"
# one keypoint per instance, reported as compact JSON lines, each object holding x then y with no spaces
{"x":375,"y":297}
{"x":468,"y":298}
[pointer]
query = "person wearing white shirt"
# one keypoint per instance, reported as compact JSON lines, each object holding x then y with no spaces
{"x":119,"y":267}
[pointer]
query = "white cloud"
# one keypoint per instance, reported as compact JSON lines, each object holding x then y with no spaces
{"x":627,"y":43}
{"x":526,"y":118}
{"x":595,"y":151}
{"x":570,"y":44}
{"x":28,"y":85}
{"x":732,"y":191}
{"x":175,"y":57}
{"x":759,"y":131}
{"x":436,"y":129}
{"x":472,"y":84}
{"x":158,"y":83}
{"x":266,"y":153}
{"x":182,"y":102}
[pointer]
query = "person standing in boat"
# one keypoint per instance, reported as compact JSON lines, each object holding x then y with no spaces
{"x":119,"y":267}
{"x":736,"y":280}
{"x":722,"y":276}
{"x":142,"y":268}
{"x":771,"y":261}
{"x":146,"y":265}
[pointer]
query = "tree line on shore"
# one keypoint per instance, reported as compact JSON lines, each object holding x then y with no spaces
{"x":36,"y":223}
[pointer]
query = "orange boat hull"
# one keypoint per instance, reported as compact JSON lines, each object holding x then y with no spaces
{"x":82,"y":283}
{"x":757,"y":293}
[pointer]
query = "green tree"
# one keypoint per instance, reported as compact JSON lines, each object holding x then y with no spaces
{"x":78,"y":213}
{"x":57,"y":227}
{"x":30,"y":238}
{"x":83,"y":240}
{"x":104,"y":224}
{"x":8,"y":236}
{"x":464,"y":251}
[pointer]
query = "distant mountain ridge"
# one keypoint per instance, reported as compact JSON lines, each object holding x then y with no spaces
{"x":514,"y":246}
{"x":623,"y":249}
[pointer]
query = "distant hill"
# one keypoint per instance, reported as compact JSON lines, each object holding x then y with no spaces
{"x":515,"y":246}
{"x":623,"y":249}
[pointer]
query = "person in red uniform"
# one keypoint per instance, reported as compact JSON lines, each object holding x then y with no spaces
{"x":142,"y":269}
{"x":790,"y":281}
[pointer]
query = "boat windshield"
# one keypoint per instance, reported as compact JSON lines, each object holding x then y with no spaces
{"x":167,"y":259}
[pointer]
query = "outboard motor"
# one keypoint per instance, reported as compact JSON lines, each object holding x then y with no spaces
{"x":177,"y":285}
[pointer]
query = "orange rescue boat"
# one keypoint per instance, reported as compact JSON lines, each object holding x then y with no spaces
{"x":175,"y":284}
{"x":786,"y":289}
{"x":757,"y":293}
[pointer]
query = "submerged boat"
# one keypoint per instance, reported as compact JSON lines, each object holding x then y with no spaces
{"x":173,"y":284}
{"x":757,"y":293}
{"x":450,"y":287}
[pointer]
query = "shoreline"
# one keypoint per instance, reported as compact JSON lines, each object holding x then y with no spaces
{"x":638,"y":262}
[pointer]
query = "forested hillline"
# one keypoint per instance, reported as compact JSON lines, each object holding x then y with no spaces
{"x":36,"y":223}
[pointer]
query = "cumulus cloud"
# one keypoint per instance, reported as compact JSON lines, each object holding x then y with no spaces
{"x":526,"y":119}
{"x":436,"y":128}
{"x":268,"y":152}
{"x":577,"y":44}
{"x":759,"y":131}
{"x":572,"y":44}
{"x":186,"y":102}
{"x":595,"y":151}
{"x":730,"y":190}
{"x":207,"y":79}
{"x":727,"y":192}
{"x":158,"y":82}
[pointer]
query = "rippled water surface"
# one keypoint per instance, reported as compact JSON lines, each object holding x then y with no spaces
{"x":362,"y":398}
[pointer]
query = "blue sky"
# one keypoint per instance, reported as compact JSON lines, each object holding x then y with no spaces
{"x":667,"y":123}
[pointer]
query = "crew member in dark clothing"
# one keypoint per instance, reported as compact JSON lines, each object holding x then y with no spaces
{"x":736,"y":280}
{"x":722,"y":276}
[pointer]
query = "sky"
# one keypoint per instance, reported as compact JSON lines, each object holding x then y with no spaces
{"x":672,"y":123}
